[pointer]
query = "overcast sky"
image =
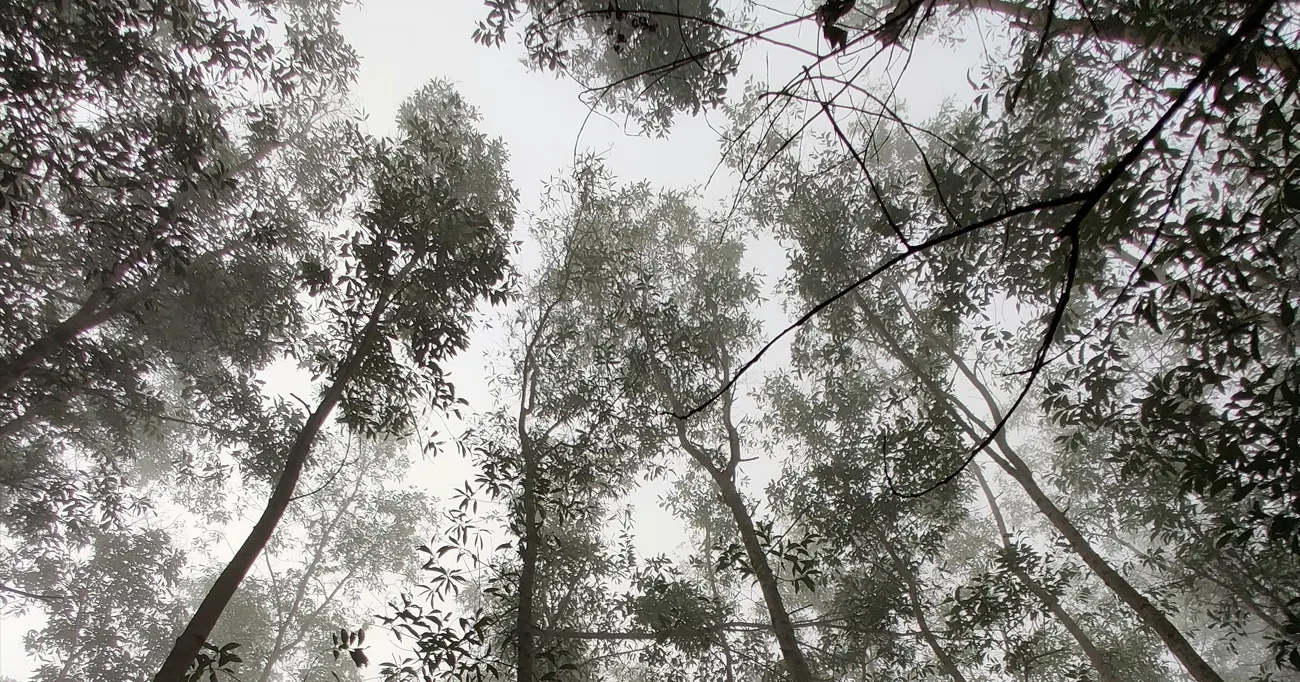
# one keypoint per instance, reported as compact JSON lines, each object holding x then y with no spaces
{"x":405,"y":43}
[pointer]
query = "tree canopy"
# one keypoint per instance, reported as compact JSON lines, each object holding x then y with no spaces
{"x":1005,"y":392}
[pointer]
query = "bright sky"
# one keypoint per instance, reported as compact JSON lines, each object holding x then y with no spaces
{"x":405,"y":43}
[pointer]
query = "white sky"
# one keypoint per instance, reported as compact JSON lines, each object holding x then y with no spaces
{"x":405,"y":43}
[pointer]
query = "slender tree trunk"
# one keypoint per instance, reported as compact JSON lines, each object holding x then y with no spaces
{"x":525,"y":619}
{"x":524,"y":626}
{"x":1010,"y":462}
{"x":918,"y":613}
{"x":1145,"y":610}
{"x":1239,"y":591}
{"x":724,"y":477}
{"x":191,"y":641}
{"x":728,"y":657}
{"x":65,"y":672}
{"x":782,"y":627}
{"x":1105,"y":672}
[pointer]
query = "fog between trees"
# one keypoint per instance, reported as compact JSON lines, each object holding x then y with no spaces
{"x":1032,"y":411}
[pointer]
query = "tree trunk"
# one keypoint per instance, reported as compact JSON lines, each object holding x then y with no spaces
{"x":524,"y":627}
{"x":1105,"y":672}
{"x":918,"y":613}
{"x":728,"y":657}
{"x":786,"y":639}
{"x":724,"y":477}
{"x":196,"y":633}
{"x":1145,"y":610}
{"x":92,"y":313}
{"x":1151,"y":616}
{"x":65,"y":672}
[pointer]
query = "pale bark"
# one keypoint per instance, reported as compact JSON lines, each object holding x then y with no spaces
{"x":1010,"y":462}
{"x":525,"y":619}
{"x":65,"y":672}
{"x":524,"y":627}
{"x":1231,"y":579}
{"x":918,"y":614}
{"x":728,"y":658}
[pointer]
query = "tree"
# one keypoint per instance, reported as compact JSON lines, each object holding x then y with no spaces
{"x":666,"y":294}
{"x":103,"y":620}
{"x":430,"y":242}
{"x":1235,"y":65}
{"x":155,"y":215}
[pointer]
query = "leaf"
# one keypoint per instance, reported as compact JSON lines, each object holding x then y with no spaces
{"x":1150,"y":315}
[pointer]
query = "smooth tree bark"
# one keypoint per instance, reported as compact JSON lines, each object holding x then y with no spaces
{"x":525,"y":618}
{"x":724,"y":477}
{"x":728,"y":656}
{"x":1232,"y":579}
{"x":1014,"y":466}
{"x":200,"y":626}
{"x":65,"y":673}
{"x":1099,"y":662}
{"x":525,"y":630}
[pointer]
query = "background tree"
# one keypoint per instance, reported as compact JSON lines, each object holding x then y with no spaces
{"x":346,"y":539}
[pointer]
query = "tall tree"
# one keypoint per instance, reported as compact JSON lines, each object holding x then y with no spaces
{"x":664,"y":289}
{"x":156,"y":212}
{"x":430,"y":242}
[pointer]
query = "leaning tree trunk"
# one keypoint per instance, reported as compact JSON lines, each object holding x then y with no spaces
{"x":279,"y":647}
{"x":728,"y":656}
{"x":725,"y":479}
{"x":1105,"y":672}
{"x":196,"y":633}
{"x":782,"y":626}
{"x":1146,"y":612}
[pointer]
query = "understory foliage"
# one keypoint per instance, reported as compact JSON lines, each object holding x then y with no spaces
{"x":1033,"y":414}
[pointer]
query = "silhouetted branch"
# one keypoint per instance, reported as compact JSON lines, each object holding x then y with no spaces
{"x":1251,"y":23}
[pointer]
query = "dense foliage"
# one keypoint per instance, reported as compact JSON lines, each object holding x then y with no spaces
{"x":1036,"y":415}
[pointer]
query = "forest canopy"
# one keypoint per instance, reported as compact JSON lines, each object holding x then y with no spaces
{"x":1008,"y":391}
